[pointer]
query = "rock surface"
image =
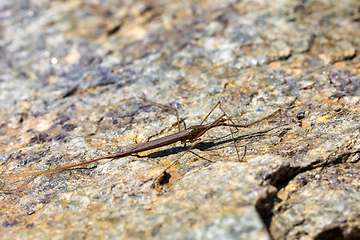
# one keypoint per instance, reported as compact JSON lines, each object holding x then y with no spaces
{"x":73,"y":76}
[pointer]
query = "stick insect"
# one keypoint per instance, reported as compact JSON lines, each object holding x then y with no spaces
{"x":189,"y":135}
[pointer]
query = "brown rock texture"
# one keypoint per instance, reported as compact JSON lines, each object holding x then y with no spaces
{"x":73,"y":76}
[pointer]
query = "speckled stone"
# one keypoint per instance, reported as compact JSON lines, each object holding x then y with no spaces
{"x":73,"y":76}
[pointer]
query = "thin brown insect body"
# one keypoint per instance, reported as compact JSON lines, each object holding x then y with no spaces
{"x":190,"y":134}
